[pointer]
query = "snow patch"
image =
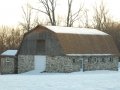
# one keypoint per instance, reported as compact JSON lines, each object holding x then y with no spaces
{"x":10,"y":52}
{"x":73,"y":30}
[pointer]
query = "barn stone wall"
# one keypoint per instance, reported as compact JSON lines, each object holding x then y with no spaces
{"x":7,"y":65}
{"x":25,"y":63}
{"x":62,"y":64}
{"x":74,"y":63}
{"x":101,"y":63}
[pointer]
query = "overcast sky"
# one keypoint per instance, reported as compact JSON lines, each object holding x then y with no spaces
{"x":11,"y":13}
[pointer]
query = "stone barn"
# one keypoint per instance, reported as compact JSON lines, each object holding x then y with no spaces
{"x":7,"y":62}
{"x":66,"y":49}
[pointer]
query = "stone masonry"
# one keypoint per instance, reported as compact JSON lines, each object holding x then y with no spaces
{"x":62,"y":64}
{"x":101,"y":63}
{"x":25,"y":63}
{"x":7,"y":65}
{"x":77,"y":63}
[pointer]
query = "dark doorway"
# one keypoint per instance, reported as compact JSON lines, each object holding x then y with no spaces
{"x":40,"y":48}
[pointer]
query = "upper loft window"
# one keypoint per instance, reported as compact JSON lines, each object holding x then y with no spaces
{"x":40,"y":47}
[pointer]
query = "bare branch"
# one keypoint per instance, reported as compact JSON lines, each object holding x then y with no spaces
{"x":71,"y":18}
{"x":49,"y":7}
{"x":27,"y":14}
{"x":40,"y":10}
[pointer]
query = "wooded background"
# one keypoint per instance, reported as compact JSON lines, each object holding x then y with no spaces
{"x":10,"y":37}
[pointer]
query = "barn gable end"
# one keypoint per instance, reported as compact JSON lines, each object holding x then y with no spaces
{"x":30,"y":43}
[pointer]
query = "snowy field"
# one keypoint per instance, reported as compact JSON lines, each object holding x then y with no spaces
{"x":90,"y":80}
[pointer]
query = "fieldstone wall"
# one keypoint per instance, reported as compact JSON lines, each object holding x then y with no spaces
{"x":25,"y":63}
{"x":100,"y":63}
{"x":7,"y":65}
{"x":77,"y":63}
{"x":62,"y":64}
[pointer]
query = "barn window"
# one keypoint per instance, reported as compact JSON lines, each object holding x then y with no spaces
{"x":111,"y":60}
{"x":89,"y":60}
{"x":73,"y":60}
{"x":40,"y":48}
{"x":95,"y":59}
{"x":103,"y":60}
{"x":7,"y":60}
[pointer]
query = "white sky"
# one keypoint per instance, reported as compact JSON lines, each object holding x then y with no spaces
{"x":11,"y":13}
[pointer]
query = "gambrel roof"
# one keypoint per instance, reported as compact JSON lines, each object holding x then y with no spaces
{"x":77,"y":40}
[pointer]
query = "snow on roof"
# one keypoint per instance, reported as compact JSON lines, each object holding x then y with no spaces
{"x":10,"y":52}
{"x":73,"y":30}
{"x":89,"y":54}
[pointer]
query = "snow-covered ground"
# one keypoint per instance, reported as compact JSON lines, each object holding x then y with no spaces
{"x":92,"y":80}
{"x":89,"y":80}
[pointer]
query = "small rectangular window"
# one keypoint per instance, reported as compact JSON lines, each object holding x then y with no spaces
{"x":95,"y":60}
{"x":90,"y":59}
{"x":73,"y":60}
{"x":103,"y":60}
{"x":111,"y":60}
{"x":7,"y":60}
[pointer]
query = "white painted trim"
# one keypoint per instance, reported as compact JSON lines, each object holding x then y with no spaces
{"x":89,"y":54}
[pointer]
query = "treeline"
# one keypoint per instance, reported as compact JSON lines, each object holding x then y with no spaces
{"x":10,"y":38}
{"x":101,"y":20}
{"x":114,"y":30}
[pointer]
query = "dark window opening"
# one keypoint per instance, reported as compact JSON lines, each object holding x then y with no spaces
{"x":95,"y":60}
{"x":73,"y":60}
{"x":40,"y":47}
{"x":89,"y":60}
{"x":111,"y":60}
{"x":103,"y":60}
{"x":7,"y":60}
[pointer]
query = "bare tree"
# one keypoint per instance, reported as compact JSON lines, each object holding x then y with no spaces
{"x":113,"y":28}
{"x":72,"y":17}
{"x":101,"y":17}
{"x":69,"y":12}
{"x":27,"y":16}
{"x":49,"y":9}
{"x":3,"y":36}
{"x":86,"y":17}
{"x":36,"y":20}
{"x":10,"y":38}
{"x":13,"y":39}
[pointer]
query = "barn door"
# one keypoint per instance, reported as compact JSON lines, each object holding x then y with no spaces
{"x":40,"y":63}
{"x":81,"y":64}
{"x":40,"y":47}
